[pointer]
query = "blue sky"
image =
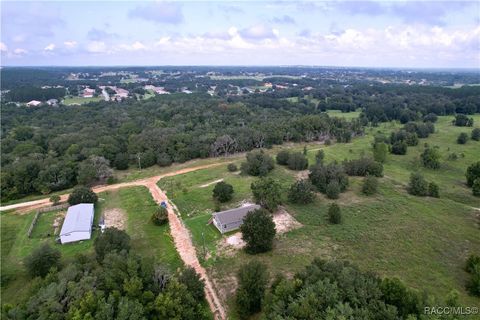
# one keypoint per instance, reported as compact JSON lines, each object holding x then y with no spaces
{"x":438,"y":34}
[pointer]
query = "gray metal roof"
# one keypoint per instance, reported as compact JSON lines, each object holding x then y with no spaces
{"x":79,"y":218}
{"x":234,"y":215}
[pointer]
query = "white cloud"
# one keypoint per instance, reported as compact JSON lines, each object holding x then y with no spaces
{"x":97,"y":47}
{"x":50,"y":47}
{"x":20,"y":51}
{"x":70,"y":44}
{"x":3,"y":47}
{"x":137,"y":45}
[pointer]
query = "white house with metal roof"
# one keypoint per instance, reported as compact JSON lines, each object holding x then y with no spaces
{"x":78,"y":223}
{"x":232,"y":219}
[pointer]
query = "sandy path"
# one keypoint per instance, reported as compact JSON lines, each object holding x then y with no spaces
{"x":180,"y":234}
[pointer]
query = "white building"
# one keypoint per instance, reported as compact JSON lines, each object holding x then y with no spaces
{"x":78,"y":223}
{"x":34,"y":103}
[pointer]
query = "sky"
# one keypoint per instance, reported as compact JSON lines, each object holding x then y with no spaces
{"x":416,"y":34}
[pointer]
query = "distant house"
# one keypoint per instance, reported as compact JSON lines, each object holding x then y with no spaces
{"x":232,"y":219}
{"x":52,"y":102}
{"x":34,"y":103}
{"x":88,"y":93}
{"x":78,"y":223}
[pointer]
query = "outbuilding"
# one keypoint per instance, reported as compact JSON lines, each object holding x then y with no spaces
{"x":232,"y":219}
{"x":78,"y":223}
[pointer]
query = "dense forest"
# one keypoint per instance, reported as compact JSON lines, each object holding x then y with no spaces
{"x":47,"y":148}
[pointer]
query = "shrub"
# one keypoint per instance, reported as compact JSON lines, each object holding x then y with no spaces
{"x":334,"y":214}
{"x":301,"y":192}
{"x":476,"y":134}
{"x":111,"y":180}
{"x":297,"y":161}
{"x":431,"y":158}
{"x":160,"y":216}
{"x":320,"y":156}
{"x":55,"y":199}
{"x":121,"y":161}
{"x":328,"y":142}
{"x":195,"y":285}
{"x":417,"y":186}
{"x":41,"y":260}
{"x":258,"y":231}
{"x":433,"y":190}
{"x":431,"y":117}
{"x":370,"y":185}
{"x":363,"y":167}
{"x":147,"y":159}
{"x":321,"y":175}
{"x":164,"y":160}
{"x":476,"y":187}
{"x":472,"y":261}
{"x":232,"y":167}
{"x":111,"y":240}
{"x":267,"y":192}
{"x":252,"y":283}
{"x":380,"y":150}
{"x":82,"y":194}
{"x":282,"y":157}
{"x":258,"y":164}
{"x":473,"y":173}
{"x":473,"y":267}
{"x":462,"y":138}
{"x":223,"y":192}
{"x":462,"y":120}
{"x":399,"y":148}
{"x":452,"y":156}
{"x":333,"y":190}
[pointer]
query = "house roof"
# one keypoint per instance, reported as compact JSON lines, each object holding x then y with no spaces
{"x":79,"y":218}
{"x":234,"y":215}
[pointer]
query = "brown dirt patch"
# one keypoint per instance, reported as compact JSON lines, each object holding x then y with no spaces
{"x":302,"y":174}
{"x":210,"y":183}
{"x":57,"y":222}
{"x":115,"y":218}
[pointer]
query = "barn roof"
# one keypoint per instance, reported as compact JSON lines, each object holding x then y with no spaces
{"x":79,"y":218}
{"x":234,"y":215}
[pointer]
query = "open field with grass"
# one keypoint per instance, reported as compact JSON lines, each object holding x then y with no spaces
{"x":422,"y":241}
{"x":79,"y":100}
{"x":148,"y":240}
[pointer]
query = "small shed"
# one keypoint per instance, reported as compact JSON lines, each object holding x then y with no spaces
{"x":78,"y":223}
{"x":232,"y":219}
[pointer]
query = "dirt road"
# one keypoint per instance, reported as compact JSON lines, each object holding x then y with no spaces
{"x":180,"y":233}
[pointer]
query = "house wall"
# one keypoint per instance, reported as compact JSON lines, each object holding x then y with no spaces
{"x":75,"y":236}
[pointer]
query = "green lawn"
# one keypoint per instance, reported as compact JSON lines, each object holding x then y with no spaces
{"x":423,"y":241}
{"x":79,"y":100}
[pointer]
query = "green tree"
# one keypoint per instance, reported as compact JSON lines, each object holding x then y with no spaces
{"x":431,"y":158}
{"x":399,"y":148}
{"x":473,"y":173}
{"x":111,"y":240}
{"x":267,"y":192}
{"x":380,"y":150}
{"x":193,"y":282}
{"x":334,"y":214}
{"x":282,"y":157}
{"x":417,"y":186}
{"x":232,"y":167}
{"x":258,"y":164}
{"x":258,"y":231}
{"x":82,"y":194}
{"x":42,"y":259}
{"x":164,"y":160}
{"x":160,"y":216}
{"x":252,"y":283}
{"x":333,"y":190}
{"x":320,"y":156}
{"x":223,"y":192}
{"x":476,"y":134}
{"x":476,"y":187}
{"x":462,"y":138}
{"x":121,"y":161}
{"x":433,"y":190}
{"x":297,"y":161}
{"x":86,"y":173}
{"x":370,"y":185}
{"x":55,"y":199}
{"x":301,"y":191}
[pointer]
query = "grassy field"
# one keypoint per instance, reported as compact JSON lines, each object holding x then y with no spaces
{"x":79,"y":100}
{"x":423,"y":241}
{"x":148,"y":240}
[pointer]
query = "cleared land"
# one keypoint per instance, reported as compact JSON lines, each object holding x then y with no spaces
{"x":80,"y":100}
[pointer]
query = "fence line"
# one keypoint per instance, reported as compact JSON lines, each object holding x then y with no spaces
{"x":42,"y":210}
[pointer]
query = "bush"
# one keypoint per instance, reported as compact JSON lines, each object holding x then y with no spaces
{"x":252,"y":283}
{"x":399,"y":148}
{"x":333,"y":190}
{"x":147,"y":159}
{"x":282,"y":157}
{"x":258,"y":231}
{"x":193,"y":282}
{"x":301,"y":192}
{"x":462,"y":138}
{"x":328,"y":142}
{"x":321,"y":176}
{"x":431,"y":117}
{"x":452,"y":156}
{"x":320,"y":156}
{"x":267,"y":192}
{"x":473,"y":173}
{"x":160,"y":216}
{"x":433,"y":190}
{"x":258,"y":164}
{"x":223,"y":192}
{"x":55,"y":200}
{"x":82,"y":194}
{"x":476,"y":187}
{"x":334,"y":214}
{"x":370,"y":185}
{"x":41,"y":260}
{"x":232,"y":167}
{"x":476,"y":134}
{"x":111,"y":240}
{"x":473,"y":267}
{"x":297,"y":161}
{"x":431,"y":158}
{"x":362,"y":167}
{"x":380,"y":150}
{"x":121,"y":161}
{"x":472,"y":261}
{"x":164,"y":160}
{"x":462,"y":120}
{"x":417,"y":186}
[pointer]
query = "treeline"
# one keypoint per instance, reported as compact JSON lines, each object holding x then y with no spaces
{"x":28,"y":93}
